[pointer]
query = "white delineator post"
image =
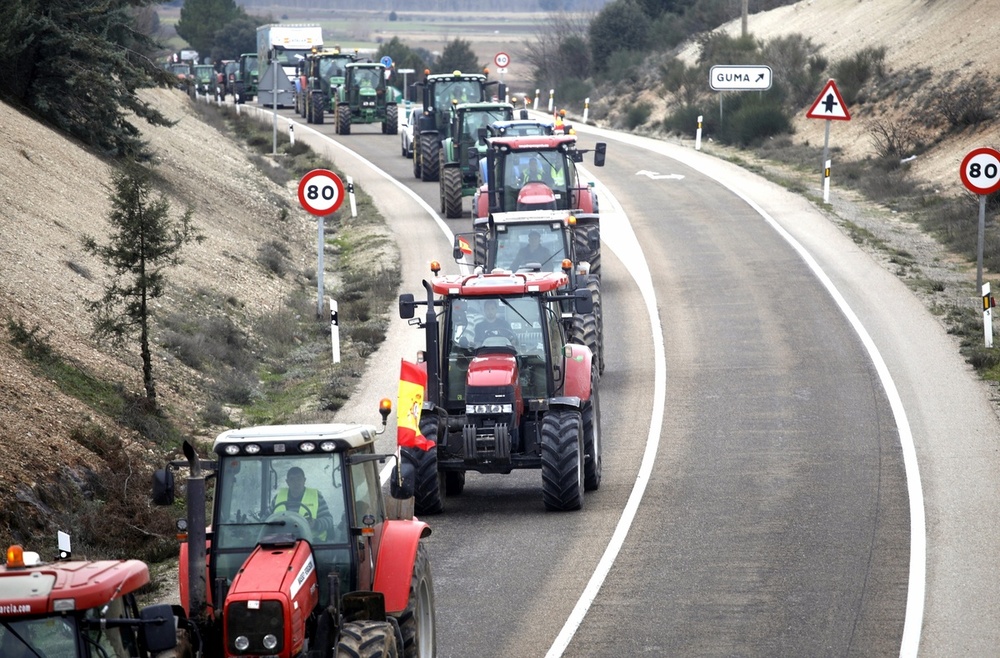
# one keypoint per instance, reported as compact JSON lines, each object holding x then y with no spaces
{"x":534,"y":105}
{"x":350,"y":195}
{"x":586,"y":109}
{"x":552,"y":99}
{"x":826,"y":182}
{"x":334,"y":330}
{"x":697,"y":134}
{"x":291,"y":133}
{"x":987,"y":315}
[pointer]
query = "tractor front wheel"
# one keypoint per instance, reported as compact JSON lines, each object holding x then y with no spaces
{"x":344,"y":119}
{"x":391,"y":125}
{"x":451,"y":192}
{"x":562,"y":460}
{"x":416,"y":622}
{"x":415,"y":147}
{"x":367,"y":639}
{"x":430,"y":149}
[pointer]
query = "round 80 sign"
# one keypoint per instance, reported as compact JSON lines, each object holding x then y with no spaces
{"x":321,"y":192}
{"x":980,"y":171}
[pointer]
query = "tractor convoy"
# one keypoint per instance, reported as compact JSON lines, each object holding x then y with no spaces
{"x":289,"y":548}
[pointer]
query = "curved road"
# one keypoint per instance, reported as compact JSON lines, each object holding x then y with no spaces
{"x":769,"y":502}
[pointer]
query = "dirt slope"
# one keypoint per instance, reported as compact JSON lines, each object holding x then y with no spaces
{"x":955,"y":40}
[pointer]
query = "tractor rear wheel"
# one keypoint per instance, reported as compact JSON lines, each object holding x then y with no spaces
{"x":416,"y":622}
{"x":430,"y":149}
{"x":415,"y":147}
{"x":481,"y":248}
{"x":391,"y":125}
{"x":592,"y":438}
{"x":344,"y":119}
{"x":583,"y":238}
{"x":367,"y":639}
{"x":594,"y":286}
{"x":454,"y":483}
{"x":451,"y":192}
{"x":562,"y":460}
{"x":317,"y":108}
{"x":584,"y":332}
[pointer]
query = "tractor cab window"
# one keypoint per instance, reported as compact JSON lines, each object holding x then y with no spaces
{"x":44,"y":636}
{"x":521,"y":245}
{"x":480,"y":326}
{"x":331,"y":68}
{"x":367,"y":78}
{"x":556,"y":340}
{"x":459,"y":91}
{"x":365,"y":481}
{"x":116,"y":642}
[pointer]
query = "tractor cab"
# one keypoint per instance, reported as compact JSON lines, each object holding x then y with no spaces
{"x":534,"y":173}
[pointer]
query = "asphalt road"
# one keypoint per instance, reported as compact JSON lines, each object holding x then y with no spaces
{"x":760,"y":475}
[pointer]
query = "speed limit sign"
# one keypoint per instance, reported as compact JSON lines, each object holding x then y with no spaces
{"x":321,"y":192}
{"x":981,"y":171}
{"x":502,"y":60}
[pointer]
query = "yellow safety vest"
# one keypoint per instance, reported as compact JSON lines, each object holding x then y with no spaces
{"x":310,"y":500}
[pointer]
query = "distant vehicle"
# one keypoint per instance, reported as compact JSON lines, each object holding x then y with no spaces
{"x":406,"y":130}
{"x":204,"y":80}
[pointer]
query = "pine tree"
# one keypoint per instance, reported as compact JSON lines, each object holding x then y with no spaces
{"x":143,"y":241}
{"x":457,"y":55}
{"x":201,"y":19}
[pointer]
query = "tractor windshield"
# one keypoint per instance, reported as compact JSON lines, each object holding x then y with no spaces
{"x":41,"y":636}
{"x":550,"y":168}
{"x":521,"y":246}
{"x":301,"y":496}
{"x":459,"y":91}
{"x":514,"y":322}
{"x":332,"y":67}
{"x":367,"y":78}
{"x":476,"y":119}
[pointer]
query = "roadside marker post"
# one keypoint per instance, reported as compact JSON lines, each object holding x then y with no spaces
{"x":987,"y":315}
{"x":980,"y":173}
{"x":697,"y":134}
{"x":291,"y":133}
{"x":334,"y":330}
{"x":552,"y":100}
{"x":320,"y":193}
{"x":534,"y":104}
{"x":826,"y":182}
{"x":350,"y":193}
{"x":586,"y":109}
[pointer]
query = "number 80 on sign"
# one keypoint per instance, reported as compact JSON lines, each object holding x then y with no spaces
{"x":980,"y":171}
{"x":321,"y":192}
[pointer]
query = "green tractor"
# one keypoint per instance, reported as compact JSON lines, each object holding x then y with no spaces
{"x":441,"y":92}
{"x":366,"y":98}
{"x":463,"y":148}
{"x":246,"y":78}
{"x":322,"y":76}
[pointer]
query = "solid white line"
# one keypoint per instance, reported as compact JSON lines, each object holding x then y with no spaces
{"x":622,"y":241}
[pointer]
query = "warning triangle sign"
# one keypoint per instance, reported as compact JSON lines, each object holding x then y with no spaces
{"x":829,"y":105}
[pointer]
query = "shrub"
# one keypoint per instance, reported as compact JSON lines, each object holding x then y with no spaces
{"x":853,"y":72}
{"x":753,"y":122}
{"x":637,"y":114}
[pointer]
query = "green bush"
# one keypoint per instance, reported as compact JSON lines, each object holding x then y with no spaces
{"x":637,"y":114}
{"x":753,"y":122}
{"x":852,"y":73}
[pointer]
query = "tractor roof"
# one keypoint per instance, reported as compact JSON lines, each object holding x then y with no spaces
{"x":324,"y":437}
{"x":522,"y":127}
{"x":499,"y":283}
{"x":365,"y":65}
{"x":486,"y":105}
{"x":533,"y":143}
{"x":455,"y":76}
{"x":66,"y":586}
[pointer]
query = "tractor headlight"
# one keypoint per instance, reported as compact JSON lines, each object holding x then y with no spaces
{"x":270,"y":642}
{"x":242,"y":643}
{"x":489,"y":408}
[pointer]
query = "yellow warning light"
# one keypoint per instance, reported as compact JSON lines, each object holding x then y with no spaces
{"x":15,"y":557}
{"x":571,"y":220}
{"x":567,"y":264}
{"x":435,"y":267}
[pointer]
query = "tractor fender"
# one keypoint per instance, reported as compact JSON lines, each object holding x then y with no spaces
{"x":397,"y":551}
{"x":564,"y":402}
{"x":577,"y":364}
{"x":481,"y":203}
{"x":584,"y":199}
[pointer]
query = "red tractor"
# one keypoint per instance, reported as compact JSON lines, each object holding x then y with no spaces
{"x":301,"y":557}
{"x":507,"y":388}
{"x":535,"y":173}
{"x":81,"y":609}
{"x":545,"y":240}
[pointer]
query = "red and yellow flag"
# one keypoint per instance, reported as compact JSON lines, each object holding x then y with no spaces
{"x":412,"y":382}
{"x":464,"y":245}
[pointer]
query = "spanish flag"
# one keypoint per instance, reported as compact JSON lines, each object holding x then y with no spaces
{"x":464,"y":245}
{"x":412,"y":382}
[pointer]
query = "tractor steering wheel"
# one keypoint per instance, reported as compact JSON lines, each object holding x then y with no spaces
{"x":301,"y":506}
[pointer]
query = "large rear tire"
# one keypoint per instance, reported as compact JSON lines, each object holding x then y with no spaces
{"x":594,"y":286}
{"x":391,"y":125}
{"x":420,"y":472}
{"x":584,"y":332}
{"x":454,"y":483}
{"x":591,"y":415}
{"x":587,"y":245}
{"x":415,"y":147}
{"x":416,"y":622}
{"x":562,"y":460}
{"x":430,"y":149}
{"x":482,"y":248}
{"x":451,"y":192}
{"x":367,"y":639}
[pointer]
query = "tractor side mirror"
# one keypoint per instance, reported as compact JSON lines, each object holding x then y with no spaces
{"x":583,"y":301}
{"x":456,"y":251}
{"x":163,"y":487}
{"x":407,"y":307}
{"x":524,"y":113}
{"x":158,"y":628}
{"x":600,"y":151}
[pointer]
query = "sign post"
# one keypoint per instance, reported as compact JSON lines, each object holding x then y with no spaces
{"x":980,"y":172}
{"x":320,"y":193}
{"x":828,"y":105}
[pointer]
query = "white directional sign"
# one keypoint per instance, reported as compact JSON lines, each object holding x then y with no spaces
{"x":829,"y":105}
{"x":739,"y":78}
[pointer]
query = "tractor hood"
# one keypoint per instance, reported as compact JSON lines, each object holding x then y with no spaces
{"x":493,"y":370}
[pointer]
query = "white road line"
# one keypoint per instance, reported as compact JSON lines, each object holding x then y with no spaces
{"x":617,"y":234}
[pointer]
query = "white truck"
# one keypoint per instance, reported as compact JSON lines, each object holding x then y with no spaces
{"x":286,"y":44}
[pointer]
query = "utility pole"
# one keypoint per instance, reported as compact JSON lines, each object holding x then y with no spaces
{"x":744,"y":22}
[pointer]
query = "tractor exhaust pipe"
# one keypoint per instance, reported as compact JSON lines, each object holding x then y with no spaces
{"x":433,"y":349}
{"x":197,"y":586}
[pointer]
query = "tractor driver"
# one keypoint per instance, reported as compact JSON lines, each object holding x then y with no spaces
{"x":535,"y":174}
{"x":533,"y":252}
{"x":492,"y":325}
{"x":306,"y":501}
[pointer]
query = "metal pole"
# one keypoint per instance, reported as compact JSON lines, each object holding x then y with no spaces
{"x":274,"y":102}
{"x":320,"y":225}
{"x":744,"y":20}
{"x":979,"y":242}
{"x":826,"y":151}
